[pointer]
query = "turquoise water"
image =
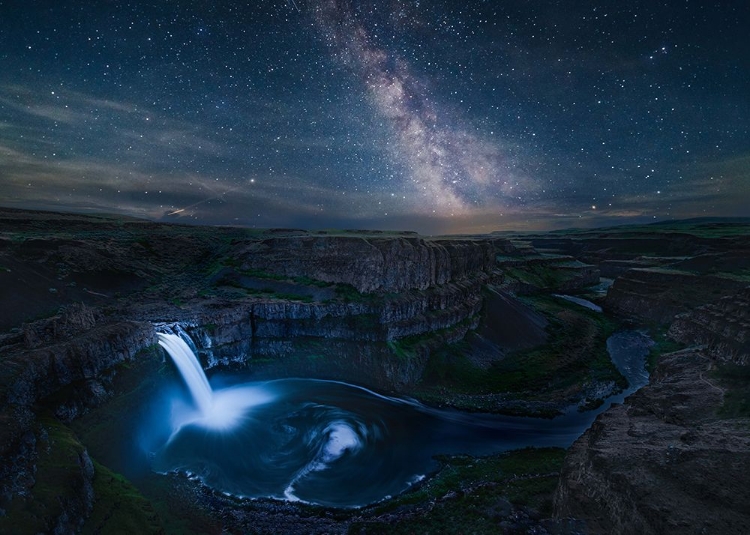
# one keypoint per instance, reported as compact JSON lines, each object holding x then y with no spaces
{"x":336,"y":444}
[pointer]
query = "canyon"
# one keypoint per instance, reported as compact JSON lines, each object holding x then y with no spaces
{"x":468,"y":322}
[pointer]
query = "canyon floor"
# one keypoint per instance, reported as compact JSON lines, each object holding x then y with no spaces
{"x":475,"y":323}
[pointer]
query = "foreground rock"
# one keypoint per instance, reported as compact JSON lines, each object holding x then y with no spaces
{"x":664,"y":461}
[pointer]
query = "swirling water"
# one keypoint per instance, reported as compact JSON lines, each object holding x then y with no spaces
{"x":327,"y":442}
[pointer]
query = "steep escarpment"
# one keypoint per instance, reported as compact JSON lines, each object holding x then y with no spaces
{"x":533,"y":273}
{"x":665,"y":461}
{"x":369,"y":264}
{"x":355,"y":337}
{"x":676,"y":239}
{"x":597,"y":246}
{"x":659,"y":294}
{"x":63,"y":364}
{"x":76,"y":345}
{"x":673,"y":457}
{"x":663,"y":269}
{"x":320,"y":321}
{"x":724,"y":326}
{"x":48,"y":485}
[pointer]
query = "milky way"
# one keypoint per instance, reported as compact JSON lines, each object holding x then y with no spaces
{"x":430,"y":115}
{"x":450,"y":169}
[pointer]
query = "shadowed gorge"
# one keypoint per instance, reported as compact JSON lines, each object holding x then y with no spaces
{"x":457,"y":376}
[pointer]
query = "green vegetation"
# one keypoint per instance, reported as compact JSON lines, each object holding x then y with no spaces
{"x":735,"y":379}
{"x":575,"y":355}
{"x":260,"y":274}
{"x":542,"y":275}
{"x":291,"y":297}
{"x":741,"y":275}
{"x":701,"y":227}
{"x":348,"y":293}
{"x":307,"y":281}
{"x":662,"y":345}
{"x":408,"y":346}
{"x":57,"y":480}
{"x":268,"y":292}
{"x":468,"y":494}
{"x":118,"y":507}
{"x":58,"y":488}
{"x":303,"y":280}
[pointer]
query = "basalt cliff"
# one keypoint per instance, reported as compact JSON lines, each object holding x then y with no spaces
{"x":471,"y":322}
{"x":673,"y":457}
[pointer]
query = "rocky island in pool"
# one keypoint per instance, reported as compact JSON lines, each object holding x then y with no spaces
{"x":377,"y":382}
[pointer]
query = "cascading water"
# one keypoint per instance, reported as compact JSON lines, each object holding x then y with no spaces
{"x":218,"y":410}
{"x":190,"y":369}
{"x":321,"y":442}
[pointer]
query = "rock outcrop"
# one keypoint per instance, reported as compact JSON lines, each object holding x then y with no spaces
{"x":370,"y":308}
{"x":724,"y":326}
{"x":526,"y":272}
{"x":369,"y":264}
{"x":606,"y":245}
{"x":70,"y":347}
{"x":47,"y":485}
{"x":659,"y":294}
{"x":664,"y":461}
{"x":64,"y":363}
{"x":356,"y":333}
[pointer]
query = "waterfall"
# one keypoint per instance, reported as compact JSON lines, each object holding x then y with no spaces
{"x":190,"y":369}
{"x":220,"y":410}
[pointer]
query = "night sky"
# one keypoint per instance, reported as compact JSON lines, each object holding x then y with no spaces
{"x":428,"y":115}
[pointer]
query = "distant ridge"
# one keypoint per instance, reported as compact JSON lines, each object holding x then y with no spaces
{"x":703,"y":220}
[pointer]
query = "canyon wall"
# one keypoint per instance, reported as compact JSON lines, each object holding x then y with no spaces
{"x":659,"y":294}
{"x":673,"y":457}
{"x":663,"y":461}
{"x":369,"y":264}
{"x":724,"y":326}
{"x":66,"y":363}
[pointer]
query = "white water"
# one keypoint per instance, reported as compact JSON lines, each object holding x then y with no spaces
{"x":331,"y":443}
{"x":190,"y":369}
{"x":578,"y":301}
{"x":221,"y":409}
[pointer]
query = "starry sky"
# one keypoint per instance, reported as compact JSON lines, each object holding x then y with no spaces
{"x":429,"y":115}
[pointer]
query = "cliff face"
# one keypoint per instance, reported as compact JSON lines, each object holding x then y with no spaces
{"x":239,"y":331}
{"x":598,"y":245}
{"x":369,"y":264}
{"x":64,"y":362}
{"x":534,"y":273}
{"x":662,"y":462}
{"x":73,"y":346}
{"x":724,"y":325}
{"x":604,"y":245}
{"x":659,"y":294}
{"x":67,"y":362}
{"x":674,"y":457}
{"x":365,"y":307}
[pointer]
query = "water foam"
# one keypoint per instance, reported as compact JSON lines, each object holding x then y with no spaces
{"x":322,"y":442}
{"x":219,"y":410}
